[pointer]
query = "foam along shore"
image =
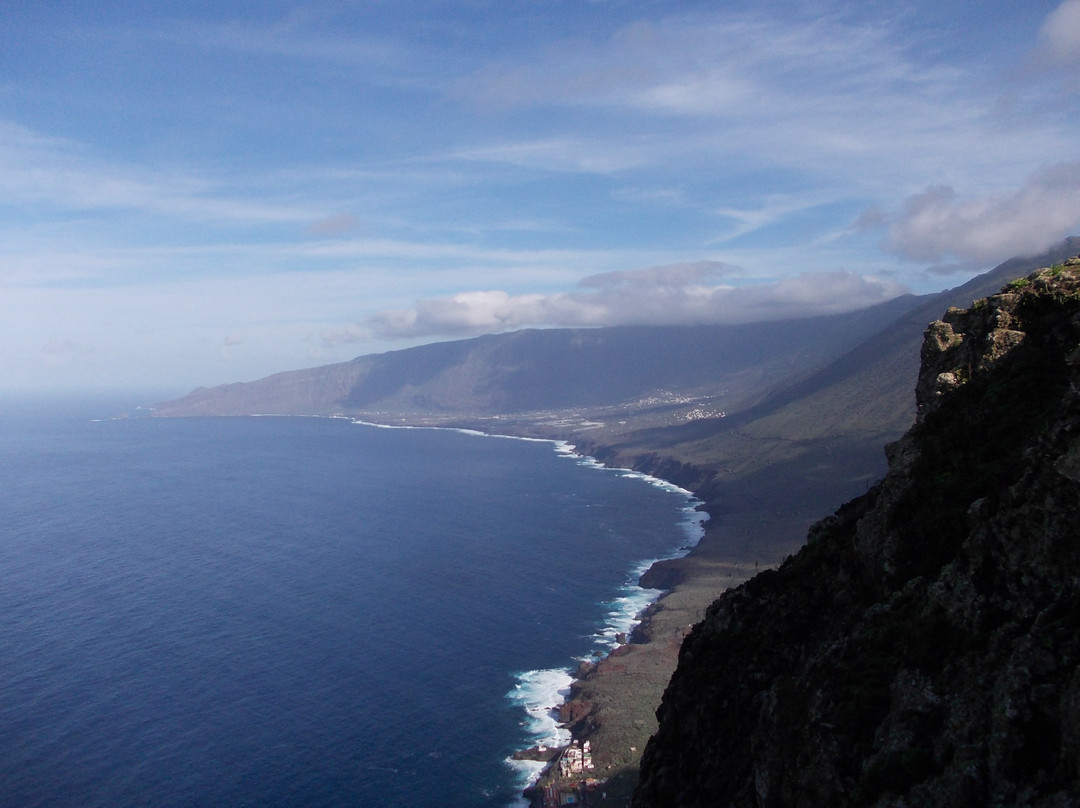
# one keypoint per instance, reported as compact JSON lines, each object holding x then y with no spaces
{"x":539,"y":693}
{"x":564,"y":708}
{"x":610,"y":698}
{"x":546,"y":696}
{"x":552,"y":699}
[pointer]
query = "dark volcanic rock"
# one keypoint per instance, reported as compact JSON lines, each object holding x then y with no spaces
{"x":923,"y":648}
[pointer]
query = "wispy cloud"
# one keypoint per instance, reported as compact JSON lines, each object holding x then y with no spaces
{"x":299,"y":35}
{"x":430,"y":169}
{"x":844,"y":104}
{"x":800,"y":74}
{"x":65,"y":176}
{"x":337,"y":225}
{"x":680,"y":64}
{"x":841,"y":98}
{"x":567,"y":154}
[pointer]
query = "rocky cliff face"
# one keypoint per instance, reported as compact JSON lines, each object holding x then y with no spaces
{"x":923,"y":648}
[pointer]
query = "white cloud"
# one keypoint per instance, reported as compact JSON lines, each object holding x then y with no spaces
{"x":677,"y":294}
{"x":938,"y":223}
{"x":845,"y":103}
{"x":1060,"y":34}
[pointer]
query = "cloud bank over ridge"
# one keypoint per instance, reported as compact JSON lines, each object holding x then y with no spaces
{"x":939,"y":223}
{"x":676,"y":294}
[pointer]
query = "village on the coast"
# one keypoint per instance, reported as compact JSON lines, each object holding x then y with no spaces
{"x":567,"y":779}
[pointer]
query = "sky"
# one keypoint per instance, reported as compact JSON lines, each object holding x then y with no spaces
{"x":194,"y":193}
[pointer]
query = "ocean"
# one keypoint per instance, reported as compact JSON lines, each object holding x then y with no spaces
{"x":299,"y":611}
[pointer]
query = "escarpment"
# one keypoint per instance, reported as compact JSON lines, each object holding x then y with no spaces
{"x":923,"y":647}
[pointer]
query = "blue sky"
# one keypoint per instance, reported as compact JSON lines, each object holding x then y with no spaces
{"x":196,"y":193}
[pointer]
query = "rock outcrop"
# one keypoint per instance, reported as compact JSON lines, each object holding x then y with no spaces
{"x":924,"y":646}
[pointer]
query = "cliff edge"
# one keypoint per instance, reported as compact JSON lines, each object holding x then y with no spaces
{"x":923,"y":647}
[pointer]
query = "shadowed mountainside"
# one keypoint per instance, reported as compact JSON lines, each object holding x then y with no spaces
{"x":766,"y":476}
{"x":699,"y":405}
{"x":922,"y":648}
{"x":810,"y":442}
{"x":642,"y":368}
{"x":768,"y":423}
{"x":765,"y":422}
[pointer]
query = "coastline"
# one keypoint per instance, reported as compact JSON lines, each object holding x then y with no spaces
{"x":611,"y":699}
{"x":612,"y":702}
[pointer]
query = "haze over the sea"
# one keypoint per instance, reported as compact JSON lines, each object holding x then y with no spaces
{"x":196,"y":194}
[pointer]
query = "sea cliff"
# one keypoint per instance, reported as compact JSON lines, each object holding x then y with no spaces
{"x":768,"y":434}
{"x":923,"y":647}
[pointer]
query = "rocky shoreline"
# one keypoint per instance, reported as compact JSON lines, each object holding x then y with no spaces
{"x":612,"y":702}
{"x":922,"y":648}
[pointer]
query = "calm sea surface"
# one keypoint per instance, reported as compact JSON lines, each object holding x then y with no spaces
{"x":297,"y":612}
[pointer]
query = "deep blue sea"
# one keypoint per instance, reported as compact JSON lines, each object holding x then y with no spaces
{"x":298,"y":611}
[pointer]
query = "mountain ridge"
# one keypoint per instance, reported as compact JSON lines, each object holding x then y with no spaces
{"x":543,"y":369}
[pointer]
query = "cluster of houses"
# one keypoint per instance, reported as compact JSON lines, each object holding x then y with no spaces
{"x":576,"y":759}
{"x":571,"y":784}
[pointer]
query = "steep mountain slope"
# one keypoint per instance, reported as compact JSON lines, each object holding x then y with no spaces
{"x":767,"y":472}
{"x":923,"y":648}
{"x":555,"y":370}
{"x":865,"y":394}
